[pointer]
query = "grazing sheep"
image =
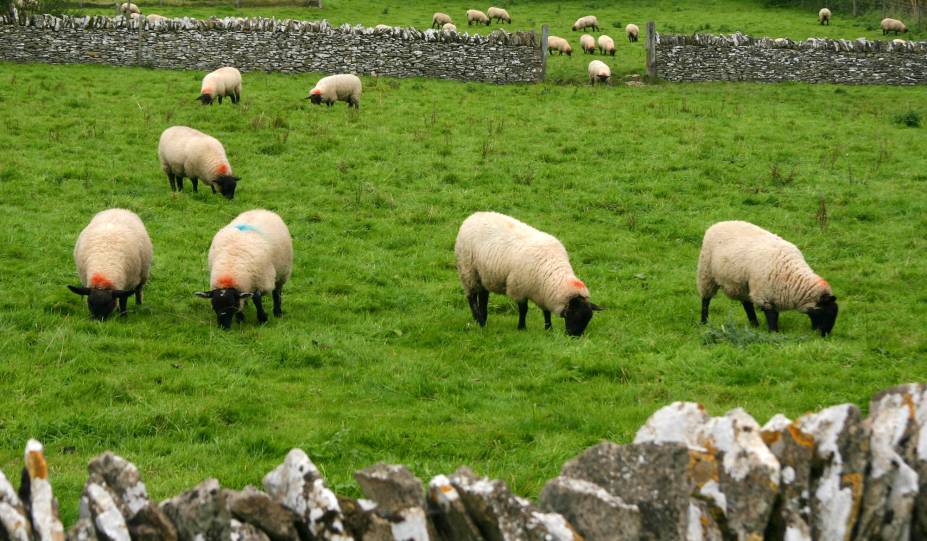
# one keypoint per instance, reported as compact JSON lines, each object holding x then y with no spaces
{"x":449,"y":27}
{"x":185,"y":152}
{"x":128,"y":7}
{"x":606,"y":45}
{"x":477,"y":16}
{"x":589,"y":21}
{"x":248,"y":258}
{"x":755,"y":266}
{"x":599,"y":71}
{"x":499,"y":14}
{"x":220,"y":83}
{"x":824,"y":16}
{"x":382,"y":27}
{"x":555,"y":43}
{"x":587,"y":42}
{"x":899,"y":42}
{"x":440,"y":19}
{"x":633,"y":32}
{"x":893,"y":25}
{"x":113,"y":258}
{"x":499,"y":254}
{"x":341,"y":87}
{"x":155,"y":18}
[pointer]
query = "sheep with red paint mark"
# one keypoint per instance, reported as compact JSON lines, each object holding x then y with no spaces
{"x":113,"y":257}
{"x":249,"y":258}
{"x":497,"y":253}
{"x":185,"y":152}
{"x":220,"y":83}
{"x":339,"y":87}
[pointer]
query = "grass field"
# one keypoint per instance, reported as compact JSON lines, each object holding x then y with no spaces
{"x":377,"y":357}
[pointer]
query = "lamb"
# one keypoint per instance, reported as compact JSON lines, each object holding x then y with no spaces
{"x":113,"y":257}
{"x":600,"y":71}
{"x":893,"y":25}
{"x":755,"y":266}
{"x":222,"y":82}
{"x":248,"y":258}
{"x":824,"y":16}
{"x":449,"y":27}
{"x":477,"y":16}
{"x":587,"y":42}
{"x":499,"y":14}
{"x":633,"y":32}
{"x":440,"y":19}
{"x":128,"y":7}
{"x":606,"y":45}
{"x":555,"y":43}
{"x":185,"y":152}
{"x":341,"y":87}
{"x":589,"y":21}
{"x":497,"y":253}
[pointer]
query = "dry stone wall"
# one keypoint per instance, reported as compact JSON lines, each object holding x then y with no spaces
{"x":271,"y":45}
{"x":738,"y":57}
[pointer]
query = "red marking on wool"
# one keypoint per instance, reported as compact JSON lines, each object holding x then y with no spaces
{"x":823,"y":282}
{"x":222,"y":169}
{"x":98,"y":280}
{"x":577,"y":283}
{"x":226,"y":281}
{"x":206,"y":91}
{"x":316,"y":91}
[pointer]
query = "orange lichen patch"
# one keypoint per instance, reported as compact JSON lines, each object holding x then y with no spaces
{"x":36,"y":465}
{"x":909,"y":402}
{"x":801,"y":437}
{"x":226,"y":281}
{"x":446,"y":488}
{"x":316,"y":91}
{"x":704,"y":520}
{"x":702,"y":467}
{"x":98,"y":280}
{"x":577,"y":283}
{"x":855,"y":482}
{"x":770,"y":437}
{"x":222,"y":169}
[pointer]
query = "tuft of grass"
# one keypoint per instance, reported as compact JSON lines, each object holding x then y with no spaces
{"x":743,"y":336}
{"x":911,"y":119}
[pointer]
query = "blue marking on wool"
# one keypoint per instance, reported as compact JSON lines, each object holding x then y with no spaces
{"x":246,"y":227}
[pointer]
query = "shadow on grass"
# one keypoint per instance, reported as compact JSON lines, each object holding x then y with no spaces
{"x":742,"y":336}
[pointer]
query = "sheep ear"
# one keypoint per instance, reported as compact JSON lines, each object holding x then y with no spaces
{"x":204,"y":294}
{"x":596,"y":308}
{"x":80,"y":290}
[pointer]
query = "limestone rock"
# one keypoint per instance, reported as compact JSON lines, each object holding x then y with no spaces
{"x":109,"y":522}
{"x":794,"y":450}
{"x":593,"y":512}
{"x":83,"y":530}
{"x":362,"y":523}
{"x":392,"y":486}
{"x":36,"y":492}
{"x":14,"y":524}
{"x":254,"y":507}
{"x":449,"y":513}
{"x":242,"y":531}
{"x":200,"y":514}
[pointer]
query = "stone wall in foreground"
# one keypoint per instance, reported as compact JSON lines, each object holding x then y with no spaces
{"x":830,"y":475}
{"x":272,"y":45}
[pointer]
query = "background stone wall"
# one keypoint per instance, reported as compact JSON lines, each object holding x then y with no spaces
{"x":272,"y":45}
{"x":743,"y":58}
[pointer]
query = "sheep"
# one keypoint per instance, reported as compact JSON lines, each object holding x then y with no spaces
{"x":633,"y":32}
{"x":440,"y":19}
{"x":589,"y":21}
{"x":477,"y":16}
{"x":497,"y":253}
{"x":499,"y":14}
{"x":899,"y":42}
{"x":113,"y":258}
{"x":449,"y":27}
{"x":155,"y":18}
{"x":824,"y":16}
{"x":893,"y":25}
{"x":587,"y":42}
{"x":755,"y":266}
{"x":185,"y":152}
{"x":555,"y":43}
{"x":248,"y":258}
{"x":341,"y":87}
{"x":606,"y":45}
{"x":222,"y":82}
{"x":128,"y":7}
{"x":600,"y":71}
{"x":382,"y":27}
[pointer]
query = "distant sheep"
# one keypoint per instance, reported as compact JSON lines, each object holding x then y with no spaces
{"x":599,"y":72}
{"x":220,"y":83}
{"x":113,"y":257}
{"x":128,"y":8}
{"x":755,"y":266}
{"x":893,"y":25}
{"x":589,"y":21}
{"x":499,"y":254}
{"x":499,"y":14}
{"x":341,"y":87}
{"x":248,"y":258}
{"x":382,"y":27}
{"x":477,"y":16}
{"x":633,"y":32}
{"x":606,"y":45}
{"x":587,"y":42}
{"x":154,"y":18}
{"x":185,"y":152}
{"x":449,"y":27}
{"x":440,"y":19}
{"x":824,"y":16}
{"x":555,"y":43}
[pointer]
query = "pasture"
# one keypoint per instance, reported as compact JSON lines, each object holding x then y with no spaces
{"x":377,"y":356}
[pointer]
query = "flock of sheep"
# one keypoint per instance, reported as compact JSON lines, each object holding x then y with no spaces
{"x":887,"y":25}
{"x":131,"y":10}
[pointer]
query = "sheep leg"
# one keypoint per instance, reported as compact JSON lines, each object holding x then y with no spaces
{"x":772,"y":319}
{"x":278,"y":301}
{"x":123,"y":305}
{"x":179,"y":180}
{"x":138,"y":294}
{"x":478,"y":300}
{"x":170,"y":178}
{"x":751,"y":313}
{"x":522,"y":314}
{"x":213,"y":186}
{"x":240,"y":316}
{"x":705,"y":302}
{"x":259,"y":306}
{"x":196,"y":184}
{"x":220,"y":99}
{"x":547,"y":323}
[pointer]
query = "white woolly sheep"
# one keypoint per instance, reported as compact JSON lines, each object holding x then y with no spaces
{"x":899,"y":42}
{"x":755,"y":266}
{"x":587,"y":42}
{"x":113,"y":258}
{"x":128,"y":7}
{"x":824,"y":16}
{"x":220,"y":83}
{"x":589,"y":21}
{"x":449,"y":27}
{"x":440,"y":19}
{"x":155,"y":18}
{"x":633,"y":32}
{"x":599,"y":71}
{"x":497,"y":253}
{"x":893,"y":25}
{"x":341,"y":87}
{"x":555,"y":43}
{"x":606,"y":45}
{"x":248,"y":258}
{"x":185,"y":152}
{"x":499,"y":14}
{"x":382,"y":27}
{"x":477,"y":16}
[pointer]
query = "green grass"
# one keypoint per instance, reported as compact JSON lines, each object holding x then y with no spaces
{"x":377,"y":357}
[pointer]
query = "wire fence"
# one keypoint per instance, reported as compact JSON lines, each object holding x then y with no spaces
{"x":912,"y":12}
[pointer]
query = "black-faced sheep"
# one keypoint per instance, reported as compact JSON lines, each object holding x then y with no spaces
{"x":589,"y":21}
{"x":478,"y":17}
{"x":440,"y":19}
{"x":606,"y":45}
{"x":893,"y":25}
{"x":599,"y":72}
{"x":499,"y":14}
{"x":220,"y":83}
{"x":633,"y":32}
{"x":824,"y":16}
{"x":555,"y":43}
{"x":587,"y":42}
{"x":341,"y":87}
{"x":185,"y":152}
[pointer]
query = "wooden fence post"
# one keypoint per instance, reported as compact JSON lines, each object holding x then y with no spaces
{"x":651,"y":52}
{"x":545,"y":31}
